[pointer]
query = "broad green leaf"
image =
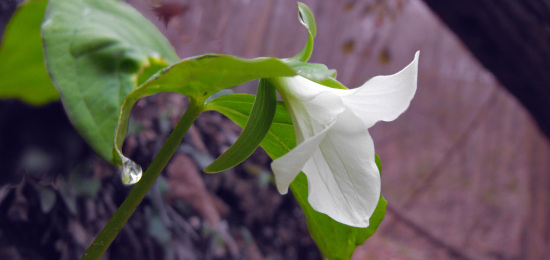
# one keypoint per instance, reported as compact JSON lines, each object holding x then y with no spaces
{"x":305,"y":16}
{"x":336,"y":240}
{"x":253,"y":132}
{"x":97,"y":52}
{"x":22,"y":67}
{"x":198,"y":78}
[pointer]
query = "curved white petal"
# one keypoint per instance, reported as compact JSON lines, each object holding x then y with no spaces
{"x":299,"y":88}
{"x":312,"y":107}
{"x":383,"y":97}
{"x":311,"y":120}
{"x":288,"y":166}
{"x":343,"y":180}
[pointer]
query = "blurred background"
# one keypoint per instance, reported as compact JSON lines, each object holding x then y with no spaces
{"x":466,"y":169}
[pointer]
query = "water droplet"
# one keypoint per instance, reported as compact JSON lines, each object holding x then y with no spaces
{"x":131,"y":171}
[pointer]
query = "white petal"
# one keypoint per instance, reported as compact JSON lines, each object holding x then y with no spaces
{"x":311,"y":107}
{"x":298,"y":87}
{"x":384,"y":97}
{"x":288,"y":166}
{"x":343,"y":180}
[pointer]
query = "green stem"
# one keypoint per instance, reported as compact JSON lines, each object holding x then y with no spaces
{"x":121,"y":216}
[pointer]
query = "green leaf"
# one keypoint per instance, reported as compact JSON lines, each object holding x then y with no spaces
{"x":22,"y":67}
{"x":97,"y":52}
{"x":305,"y":16}
{"x":198,"y":78}
{"x":253,"y":132}
{"x":336,"y":240}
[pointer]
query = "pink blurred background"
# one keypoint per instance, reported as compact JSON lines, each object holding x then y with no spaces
{"x":464,"y":169}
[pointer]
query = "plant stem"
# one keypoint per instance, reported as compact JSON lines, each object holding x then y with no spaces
{"x":121,"y":216}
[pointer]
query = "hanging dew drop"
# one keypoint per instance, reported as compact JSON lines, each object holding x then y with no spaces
{"x":131,"y":171}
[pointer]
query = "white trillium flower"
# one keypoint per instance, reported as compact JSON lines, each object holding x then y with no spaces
{"x":334,"y":148}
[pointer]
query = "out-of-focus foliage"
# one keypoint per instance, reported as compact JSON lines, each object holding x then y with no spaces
{"x":22,"y":68}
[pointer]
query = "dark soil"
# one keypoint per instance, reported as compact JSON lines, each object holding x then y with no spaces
{"x":56,"y":194}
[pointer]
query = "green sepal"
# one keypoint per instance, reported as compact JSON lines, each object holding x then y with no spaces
{"x":257,"y":126}
{"x":313,"y":71}
{"x":305,"y":16}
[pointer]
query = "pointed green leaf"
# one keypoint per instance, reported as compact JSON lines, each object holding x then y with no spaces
{"x":336,"y":240}
{"x":97,"y":52}
{"x":305,"y":16}
{"x":22,"y":67}
{"x":254,"y":131}
{"x":198,"y":78}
